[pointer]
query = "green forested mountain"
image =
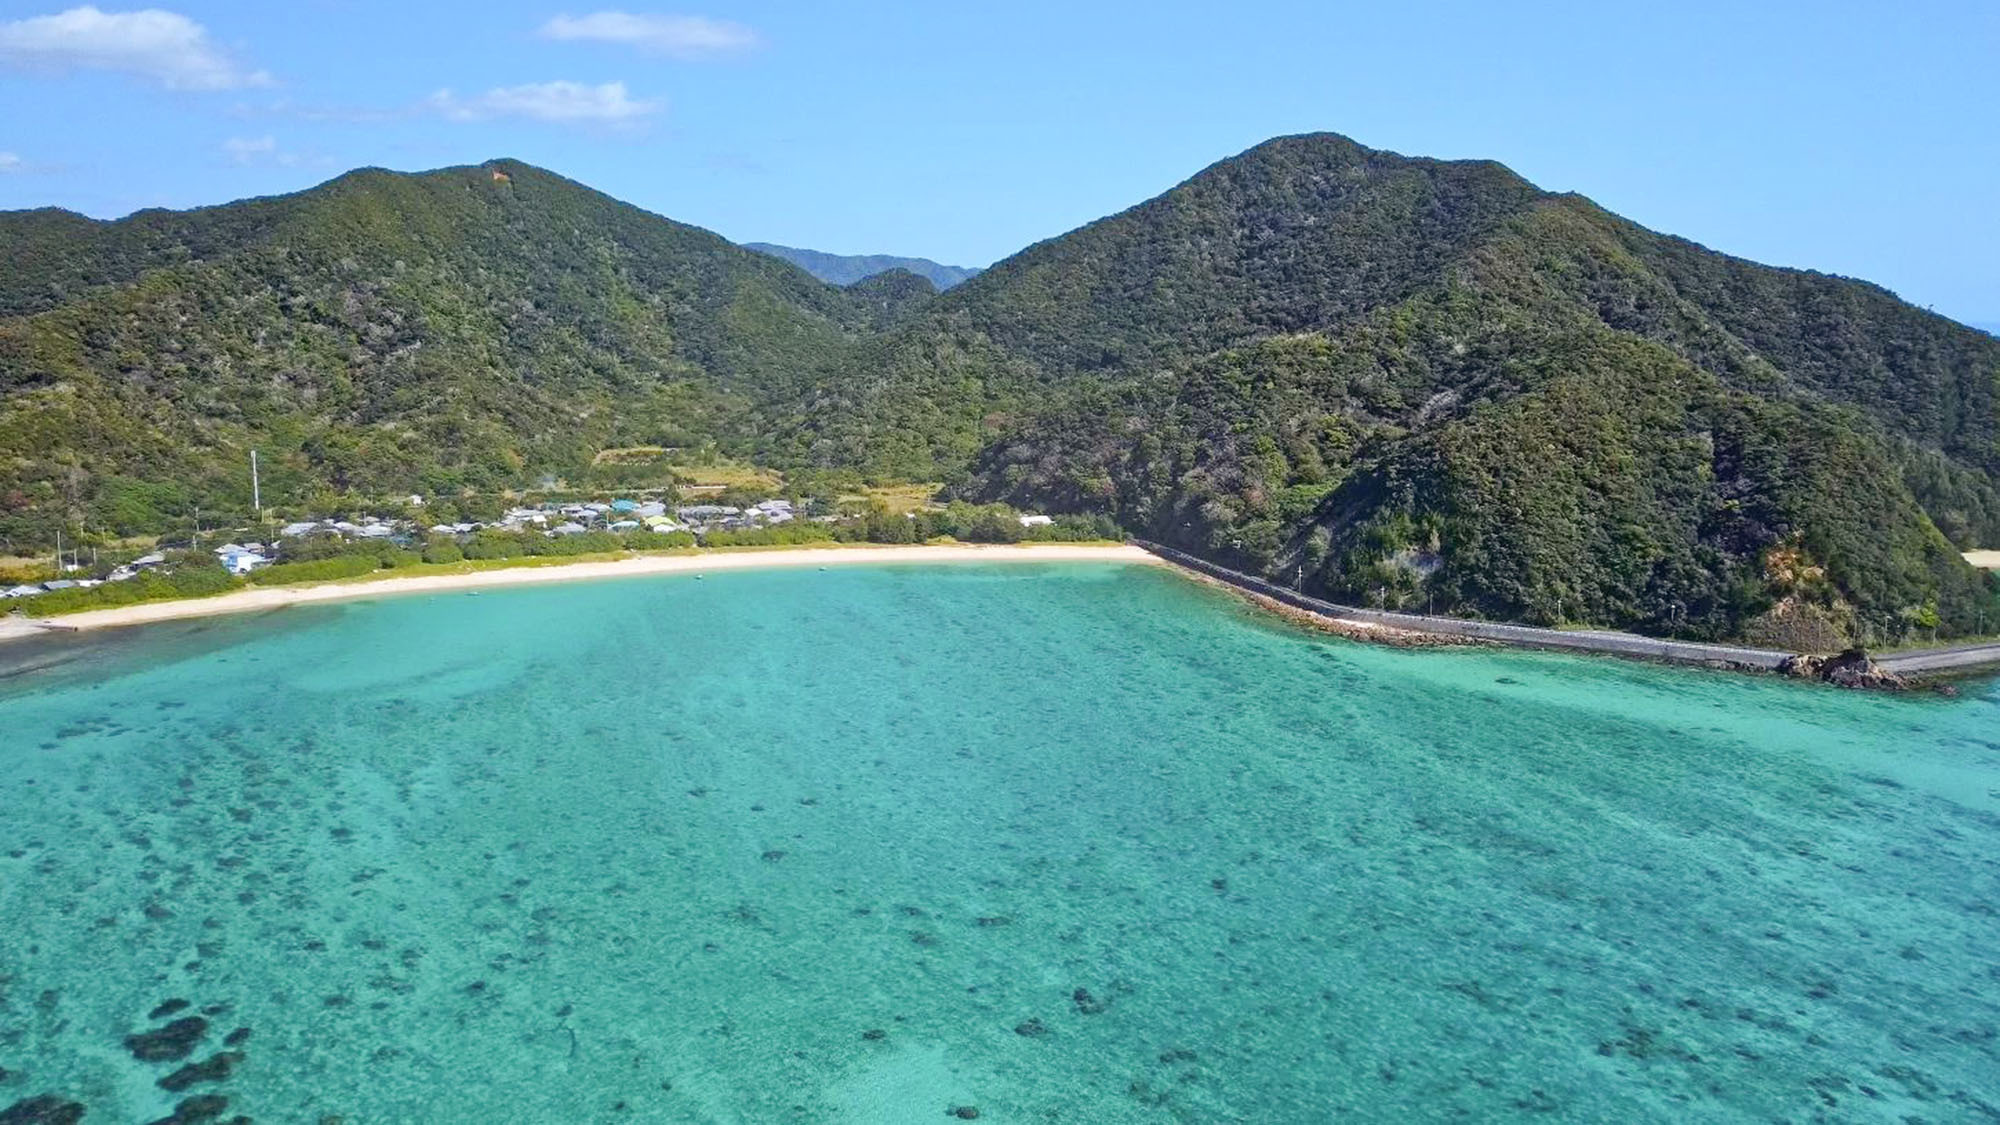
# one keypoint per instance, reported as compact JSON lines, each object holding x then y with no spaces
{"x":382,"y":333}
{"x":892,"y":296}
{"x":848,"y":269}
{"x":1418,"y":383}
{"x":1391,"y":380}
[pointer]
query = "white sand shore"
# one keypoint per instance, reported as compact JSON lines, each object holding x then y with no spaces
{"x":277,"y":597}
{"x":1985,"y":560}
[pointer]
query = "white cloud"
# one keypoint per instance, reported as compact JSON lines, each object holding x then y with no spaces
{"x":563,"y":103}
{"x":10,"y":162}
{"x":246,"y":149}
{"x":162,"y":47}
{"x":682,"y":37}
{"x":265,"y":150}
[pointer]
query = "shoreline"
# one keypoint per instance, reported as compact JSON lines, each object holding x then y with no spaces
{"x":258,"y":599}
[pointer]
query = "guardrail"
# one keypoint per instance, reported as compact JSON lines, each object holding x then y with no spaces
{"x":1527,"y":636}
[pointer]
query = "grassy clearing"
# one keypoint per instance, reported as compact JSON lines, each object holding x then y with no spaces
{"x":728,"y":474}
{"x":899,"y":498}
{"x":629,"y":455}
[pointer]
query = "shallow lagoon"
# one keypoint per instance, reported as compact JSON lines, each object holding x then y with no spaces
{"x":1064,"y":843}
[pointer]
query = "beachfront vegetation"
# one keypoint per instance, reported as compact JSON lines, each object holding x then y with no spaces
{"x":191,"y":577}
{"x":1401,"y":382}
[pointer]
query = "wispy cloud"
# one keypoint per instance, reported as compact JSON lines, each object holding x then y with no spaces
{"x":291,"y":110}
{"x":561,"y":103}
{"x":681,"y":37}
{"x":10,"y":162}
{"x":165,"y":48}
{"x":266,"y":152}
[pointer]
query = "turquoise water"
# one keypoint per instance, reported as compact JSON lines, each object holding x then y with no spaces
{"x":1061,"y":843}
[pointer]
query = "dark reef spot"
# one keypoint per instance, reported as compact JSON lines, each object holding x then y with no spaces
{"x":167,"y":1008}
{"x":215,"y":1068}
{"x":236,"y":1038}
{"x":170,"y":1043}
{"x":42,"y":1109}
{"x":996,"y":920}
{"x":1031,"y":1028}
{"x":1177,"y":1055}
{"x":963,"y":1113}
{"x":1086,"y":1004}
{"x":202,"y":1107}
{"x":919,"y":937}
{"x":874,"y":1034}
{"x":774,"y":855}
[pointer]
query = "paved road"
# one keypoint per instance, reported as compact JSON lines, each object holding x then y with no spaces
{"x":1619,"y":644}
{"x":1939,"y":659}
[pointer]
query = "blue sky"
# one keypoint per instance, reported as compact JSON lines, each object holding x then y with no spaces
{"x":1857,"y":138}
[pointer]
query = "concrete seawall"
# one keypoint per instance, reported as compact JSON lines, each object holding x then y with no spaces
{"x":1914,"y":663}
{"x":1527,"y":636}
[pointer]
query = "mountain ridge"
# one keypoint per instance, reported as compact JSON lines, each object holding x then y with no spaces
{"x":849,"y":269}
{"x":1392,"y":380}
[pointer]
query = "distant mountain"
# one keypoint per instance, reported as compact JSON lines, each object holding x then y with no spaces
{"x":846,"y":269}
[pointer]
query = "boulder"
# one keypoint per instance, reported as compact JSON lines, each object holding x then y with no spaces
{"x":1850,"y":669}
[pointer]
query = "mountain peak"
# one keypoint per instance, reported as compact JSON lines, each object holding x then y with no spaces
{"x":848,"y":269}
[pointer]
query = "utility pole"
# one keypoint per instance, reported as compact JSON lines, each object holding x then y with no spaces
{"x":256,"y":490}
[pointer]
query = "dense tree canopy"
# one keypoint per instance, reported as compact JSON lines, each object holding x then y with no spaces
{"x":1395,"y":380}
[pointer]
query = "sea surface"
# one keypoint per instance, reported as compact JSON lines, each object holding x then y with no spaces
{"x":1049,"y":843}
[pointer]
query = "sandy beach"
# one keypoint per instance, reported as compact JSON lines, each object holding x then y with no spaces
{"x":278,"y":597}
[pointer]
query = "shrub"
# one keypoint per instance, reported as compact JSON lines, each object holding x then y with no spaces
{"x":318,"y":570}
{"x":194,"y":580}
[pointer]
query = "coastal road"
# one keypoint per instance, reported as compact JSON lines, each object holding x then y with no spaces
{"x":1525,"y":636}
{"x":1598,"y":640}
{"x":1940,"y":659}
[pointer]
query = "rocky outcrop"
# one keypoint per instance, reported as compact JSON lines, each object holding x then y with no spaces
{"x":1850,"y":669}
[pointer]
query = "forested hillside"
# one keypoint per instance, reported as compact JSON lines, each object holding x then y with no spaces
{"x":1391,"y":380}
{"x":1417,"y":383}
{"x":383,"y":333}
